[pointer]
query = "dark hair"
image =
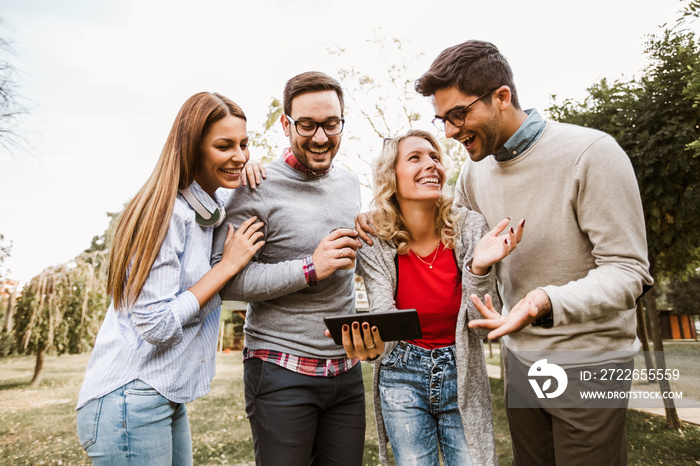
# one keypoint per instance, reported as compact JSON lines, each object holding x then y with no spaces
{"x":311,"y":81}
{"x":474,"y":67}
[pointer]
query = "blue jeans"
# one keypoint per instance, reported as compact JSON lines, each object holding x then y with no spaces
{"x":135,"y":425}
{"x":418,"y":389}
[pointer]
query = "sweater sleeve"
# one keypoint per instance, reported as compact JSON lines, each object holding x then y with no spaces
{"x":609,"y":212}
{"x":473,"y":227}
{"x":258,"y":281}
{"x":377,"y":269}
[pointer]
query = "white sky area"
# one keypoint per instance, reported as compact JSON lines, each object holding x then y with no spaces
{"x":103,"y":81}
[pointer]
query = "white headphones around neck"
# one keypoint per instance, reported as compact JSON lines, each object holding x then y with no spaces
{"x":203,"y":217}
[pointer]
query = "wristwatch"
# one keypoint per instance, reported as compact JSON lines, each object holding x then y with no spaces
{"x":546,"y":321}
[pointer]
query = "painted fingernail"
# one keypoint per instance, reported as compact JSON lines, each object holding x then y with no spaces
{"x":355,"y":326}
{"x":522,"y":224}
{"x":345,"y":328}
{"x":365,"y":325}
{"x":511,"y":230}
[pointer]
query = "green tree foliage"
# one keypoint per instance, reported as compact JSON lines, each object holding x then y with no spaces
{"x":264,"y":140}
{"x":684,"y":295}
{"x":62,"y":308}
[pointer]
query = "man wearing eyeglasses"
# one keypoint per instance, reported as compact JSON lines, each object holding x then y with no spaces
{"x":572,"y":284}
{"x":304,"y":397}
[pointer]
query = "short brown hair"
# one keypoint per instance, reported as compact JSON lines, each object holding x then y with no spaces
{"x":311,"y":81}
{"x":474,"y":67}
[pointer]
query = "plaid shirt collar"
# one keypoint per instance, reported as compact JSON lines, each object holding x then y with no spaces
{"x":292,"y":161}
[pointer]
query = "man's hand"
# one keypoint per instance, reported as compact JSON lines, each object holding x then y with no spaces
{"x":253,"y":173}
{"x":337,"y":250}
{"x":363,"y":227}
{"x":533,"y":306}
{"x":365,"y":345}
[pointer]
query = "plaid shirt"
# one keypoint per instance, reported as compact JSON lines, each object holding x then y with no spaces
{"x":301,"y":364}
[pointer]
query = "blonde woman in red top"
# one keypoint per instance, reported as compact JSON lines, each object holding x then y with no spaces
{"x":431,"y":393}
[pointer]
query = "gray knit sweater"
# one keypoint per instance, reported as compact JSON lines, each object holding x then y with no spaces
{"x":377,"y":267}
{"x":285,"y":313}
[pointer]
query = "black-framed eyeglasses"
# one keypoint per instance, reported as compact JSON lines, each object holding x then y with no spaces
{"x":456,"y":115}
{"x":307,"y":128}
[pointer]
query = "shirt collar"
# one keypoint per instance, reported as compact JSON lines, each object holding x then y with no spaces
{"x":523,"y":138}
{"x":292,"y":161}
{"x":210,"y":204}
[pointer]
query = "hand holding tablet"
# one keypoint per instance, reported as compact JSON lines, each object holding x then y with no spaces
{"x":401,"y":324}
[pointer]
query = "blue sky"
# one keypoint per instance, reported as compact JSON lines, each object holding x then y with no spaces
{"x":103,"y":81}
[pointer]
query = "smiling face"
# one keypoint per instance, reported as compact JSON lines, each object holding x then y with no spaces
{"x":314,"y":152}
{"x":420,"y":175}
{"x":481,"y":132}
{"x":223,"y":153}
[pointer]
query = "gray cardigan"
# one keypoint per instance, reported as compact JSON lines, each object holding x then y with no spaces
{"x":377,"y":267}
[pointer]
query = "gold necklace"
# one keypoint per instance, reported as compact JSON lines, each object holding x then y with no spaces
{"x":430,"y":265}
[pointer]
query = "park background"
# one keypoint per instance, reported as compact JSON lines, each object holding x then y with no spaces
{"x":94,"y":88}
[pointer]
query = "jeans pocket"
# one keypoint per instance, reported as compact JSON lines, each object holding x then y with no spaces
{"x":87,"y":419}
{"x":141,"y":388}
{"x":393,"y":359}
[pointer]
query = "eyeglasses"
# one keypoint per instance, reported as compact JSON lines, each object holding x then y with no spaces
{"x":456,"y":115}
{"x":307,"y":128}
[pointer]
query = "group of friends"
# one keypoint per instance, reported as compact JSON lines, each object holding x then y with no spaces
{"x":290,"y":245}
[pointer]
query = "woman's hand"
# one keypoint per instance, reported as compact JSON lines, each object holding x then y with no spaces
{"x":253,"y":174}
{"x":365,"y":346}
{"x":240,"y":245}
{"x":493,"y":248}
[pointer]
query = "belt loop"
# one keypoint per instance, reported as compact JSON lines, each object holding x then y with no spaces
{"x":406,"y":353}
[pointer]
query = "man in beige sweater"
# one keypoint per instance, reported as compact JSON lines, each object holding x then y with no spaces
{"x":572,"y":284}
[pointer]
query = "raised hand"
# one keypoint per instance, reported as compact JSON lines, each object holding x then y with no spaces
{"x":493,"y":248}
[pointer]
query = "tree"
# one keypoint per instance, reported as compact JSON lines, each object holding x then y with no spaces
{"x":655,"y":119}
{"x":10,"y":105}
{"x":62,"y":309}
{"x":684,"y":295}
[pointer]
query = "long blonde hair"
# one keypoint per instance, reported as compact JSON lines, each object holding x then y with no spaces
{"x":387,"y":219}
{"x":143,"y":224}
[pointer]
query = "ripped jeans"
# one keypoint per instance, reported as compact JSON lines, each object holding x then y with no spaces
{"x":418,"y":390}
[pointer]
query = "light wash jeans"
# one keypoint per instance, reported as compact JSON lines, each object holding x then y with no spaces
{"x":135,"y":425}
{"x":418,"y":389}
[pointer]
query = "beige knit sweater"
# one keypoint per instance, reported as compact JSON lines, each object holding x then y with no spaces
{"x":584,"y":241}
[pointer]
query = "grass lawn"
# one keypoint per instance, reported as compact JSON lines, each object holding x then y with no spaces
{"x":37,"y":426}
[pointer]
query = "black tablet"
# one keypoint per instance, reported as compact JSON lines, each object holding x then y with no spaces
{"x":401,"y":324}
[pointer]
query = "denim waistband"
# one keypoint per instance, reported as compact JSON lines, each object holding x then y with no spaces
{"x":443,"y":354}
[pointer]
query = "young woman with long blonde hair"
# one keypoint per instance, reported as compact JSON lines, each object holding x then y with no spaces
{"x":155,"y":350}
{"x":431,"y":394}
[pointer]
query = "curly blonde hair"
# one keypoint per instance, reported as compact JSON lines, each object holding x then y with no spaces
{"x":386,"y":217}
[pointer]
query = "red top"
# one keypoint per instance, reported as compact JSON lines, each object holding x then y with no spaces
{"x":435,"y":293}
